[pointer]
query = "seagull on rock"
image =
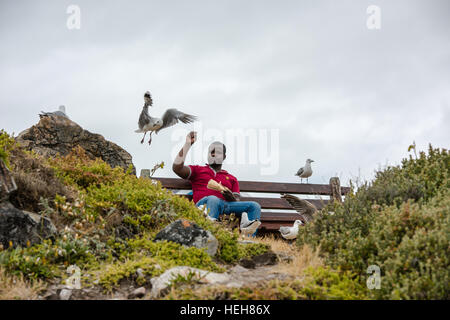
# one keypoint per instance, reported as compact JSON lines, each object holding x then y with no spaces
{"x":169,"y":118}
{"x":61,"y":112}
{"x":248,"y":227}
{"x":303,"y":207}
{"x":306,"y":171}
{"x":290,"y":233}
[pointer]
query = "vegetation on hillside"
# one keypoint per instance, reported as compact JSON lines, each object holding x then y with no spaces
{"x":400,"y":222}
{"x":107,"y":219}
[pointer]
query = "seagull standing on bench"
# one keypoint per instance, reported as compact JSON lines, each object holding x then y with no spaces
{"x":306,"y":171}
{"x":169,"y":118}
{"x":303,"y":207}
{"x":290,"y":233}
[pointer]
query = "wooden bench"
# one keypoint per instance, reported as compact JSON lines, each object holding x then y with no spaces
{"x":272,"y":220}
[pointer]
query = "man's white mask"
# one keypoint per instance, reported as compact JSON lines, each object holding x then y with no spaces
{"x":218,"y":153}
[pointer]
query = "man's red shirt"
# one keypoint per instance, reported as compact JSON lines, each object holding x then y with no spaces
{"x":199,"y":177}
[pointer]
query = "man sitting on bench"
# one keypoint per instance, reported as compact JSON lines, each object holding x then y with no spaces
{"x":216,"y":202}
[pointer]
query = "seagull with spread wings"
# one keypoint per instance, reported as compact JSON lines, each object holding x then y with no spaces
{"x":303,"y":207}
{"x":170,"y":117}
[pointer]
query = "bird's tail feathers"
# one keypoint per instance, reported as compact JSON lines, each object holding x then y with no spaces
{"x":138,"y":131}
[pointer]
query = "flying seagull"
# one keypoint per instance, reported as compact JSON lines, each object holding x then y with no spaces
{"x":303,"y":207}
{"x":248,"y":227}
{"x":169,"y":118}
{"x":61,"y":112}
{"x":306,"y":171}
{"x":290,"y":233}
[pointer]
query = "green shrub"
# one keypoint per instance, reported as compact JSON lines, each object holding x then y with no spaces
{"x":45,"y":259}
{"x":80,"y":171}
{"x":400,"y":223}
{"x":153,"y":258}
{"x":7,"y":143}
{"x":112,"y":274}
{"x":317,"y":284}
{"x":417,"y":178}
{"x":326,"y":284}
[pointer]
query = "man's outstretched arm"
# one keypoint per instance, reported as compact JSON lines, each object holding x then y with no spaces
{"x":178,"y":165}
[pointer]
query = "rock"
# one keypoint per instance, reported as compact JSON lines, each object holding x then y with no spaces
{"x":160,"y":284}
{"x":7,"y":183}
{"x":247,"y":263}
{"x":53,"y":135}
{"x":137,"y":293}
{"x":189,"y":234}
{"x":238,"y":269}
{"x":65,"y":294}
{"x":22,"y":228}
{"x":266,"y":259}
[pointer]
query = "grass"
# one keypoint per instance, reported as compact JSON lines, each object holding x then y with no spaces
{"x":17,"y":288}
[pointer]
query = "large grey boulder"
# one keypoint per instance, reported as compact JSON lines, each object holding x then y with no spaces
{"x":55,"y":134}
{"x":22,"y":228}
{"x":189,"y":234}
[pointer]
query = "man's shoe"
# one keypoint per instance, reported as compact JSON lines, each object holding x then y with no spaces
{"x":250,"y":227}
{"x":211,"y":218}
{"x":204,"y":209}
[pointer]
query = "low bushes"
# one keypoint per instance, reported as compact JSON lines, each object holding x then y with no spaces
{"x":400,"y":222}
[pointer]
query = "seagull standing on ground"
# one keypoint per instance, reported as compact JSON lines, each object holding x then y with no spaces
{"x":303,"y":207}
{"x":306,"y":171}
{"x":169,"y":118}
{"x":61,"y":112}
{"x":290,"y":233}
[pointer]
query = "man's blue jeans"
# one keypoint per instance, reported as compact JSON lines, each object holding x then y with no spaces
{"x":219,"y":206}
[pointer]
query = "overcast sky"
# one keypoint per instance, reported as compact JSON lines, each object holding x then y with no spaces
{"x":309,"y":75}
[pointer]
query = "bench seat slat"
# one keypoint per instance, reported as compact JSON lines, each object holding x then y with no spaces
{"x":278,"y":203}
{"x":279,"y":216}
{"x":274,"y":203}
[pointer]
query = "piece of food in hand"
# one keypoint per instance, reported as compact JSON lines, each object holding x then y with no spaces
{"x":214,"y":185}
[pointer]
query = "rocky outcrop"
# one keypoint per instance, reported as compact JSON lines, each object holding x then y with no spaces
{"x":189,"y":234}
{"x":22,"y":228}
{"x":7,"y":183}
{"x":55,"y":134}
{"x":17,"y":227}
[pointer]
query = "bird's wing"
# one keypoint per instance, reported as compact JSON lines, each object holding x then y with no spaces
{"x":172,"y":116}
{"x":300,"y":205}
{"x":300,"y":171}
{"x":285,"y":230}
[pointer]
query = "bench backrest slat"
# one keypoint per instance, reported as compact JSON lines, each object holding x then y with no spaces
{"x":264,"y":187}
